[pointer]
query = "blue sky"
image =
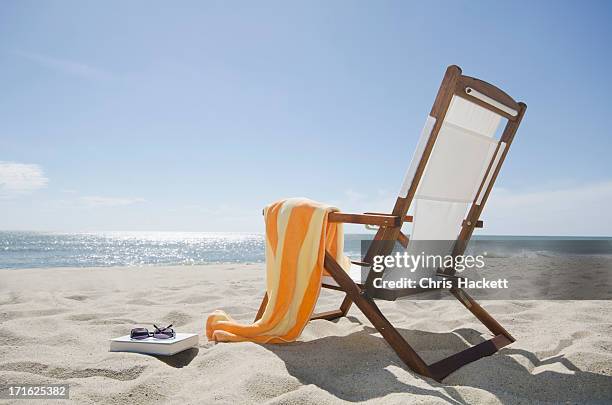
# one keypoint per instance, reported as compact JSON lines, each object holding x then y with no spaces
{"x":192,"y":117}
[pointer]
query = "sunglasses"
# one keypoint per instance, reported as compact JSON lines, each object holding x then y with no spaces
{"x":158,"y":333}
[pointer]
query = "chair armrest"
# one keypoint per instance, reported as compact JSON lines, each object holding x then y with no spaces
{"x":365,"y":219}
{"x":410,"y":218}
{"x":407,"y":218}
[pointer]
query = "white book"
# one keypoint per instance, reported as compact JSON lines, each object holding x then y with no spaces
{"x":150,"y":345}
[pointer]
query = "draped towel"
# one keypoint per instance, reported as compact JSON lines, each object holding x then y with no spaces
{"x":297,"y":235}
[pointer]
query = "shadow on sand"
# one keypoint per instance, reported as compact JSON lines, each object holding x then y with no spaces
{"x":360,"y":366}
{"x":181,"y":359}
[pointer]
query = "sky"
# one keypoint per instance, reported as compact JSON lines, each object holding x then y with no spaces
{"x":192,"y":116}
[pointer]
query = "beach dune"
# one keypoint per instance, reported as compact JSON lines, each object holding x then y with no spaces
{"x":56,"y":324}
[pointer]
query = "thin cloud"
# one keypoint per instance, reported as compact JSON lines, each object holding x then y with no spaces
{"x":99,"y":201}
{"x":569,"y":211}
{"x":356,"y":202}
{"x":20,"y":178}
{"x":65,"y":65}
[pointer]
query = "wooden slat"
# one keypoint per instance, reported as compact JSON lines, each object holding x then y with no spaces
{"x":327,"y":315}
{"x":444,"y":367}
{"x":488,"y":90}
{"x":331,"y":287}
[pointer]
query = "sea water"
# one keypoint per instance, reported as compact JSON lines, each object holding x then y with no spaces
{"x":55,"y":249}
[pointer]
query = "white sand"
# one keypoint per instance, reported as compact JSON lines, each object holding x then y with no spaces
{"x":56,"y":324}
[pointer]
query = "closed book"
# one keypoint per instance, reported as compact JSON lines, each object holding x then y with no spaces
{"x":151,"y":345}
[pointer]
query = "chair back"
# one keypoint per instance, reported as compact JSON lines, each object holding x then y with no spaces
{"x":457,"y":166}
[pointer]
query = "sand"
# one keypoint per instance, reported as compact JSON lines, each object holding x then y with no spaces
{"x":56,"y":324}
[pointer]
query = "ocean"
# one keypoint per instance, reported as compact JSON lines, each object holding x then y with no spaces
{"x":103,"y":249}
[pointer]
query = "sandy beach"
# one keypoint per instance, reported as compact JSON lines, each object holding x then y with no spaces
{"x":56,"y":324}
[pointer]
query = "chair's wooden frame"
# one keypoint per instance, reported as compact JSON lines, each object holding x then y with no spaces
{"x":389,"y":232}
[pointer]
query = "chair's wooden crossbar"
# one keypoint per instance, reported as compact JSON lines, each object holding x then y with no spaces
{"x":332,"y":287}
{"x":328,"y":315}
{"x":439,"y":370}
{"x":464,"y":83}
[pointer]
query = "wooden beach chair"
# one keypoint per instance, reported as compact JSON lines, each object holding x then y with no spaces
{"x":454,"y":167}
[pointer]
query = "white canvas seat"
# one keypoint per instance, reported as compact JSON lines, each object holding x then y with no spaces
{"x":455,"y":169}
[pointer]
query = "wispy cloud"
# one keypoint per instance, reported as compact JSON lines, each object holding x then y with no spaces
{"x":225,"y":212}
{"x":572,"y":210}
{"x":65,"y":65}
{"x":99,"y":201}
{"x":355,"y":201}
{"x":20,"y":178}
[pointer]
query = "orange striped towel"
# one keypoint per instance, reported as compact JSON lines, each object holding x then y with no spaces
{"x":297,"y":235}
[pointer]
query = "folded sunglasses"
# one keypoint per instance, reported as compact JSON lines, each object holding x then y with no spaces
{"x":158,"y":333}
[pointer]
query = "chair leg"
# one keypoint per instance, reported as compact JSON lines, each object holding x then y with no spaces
{"x":371,"y":311}
{"x":480,"y":313}
{"x":346,"y":305}
{"x":262,"y":307}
